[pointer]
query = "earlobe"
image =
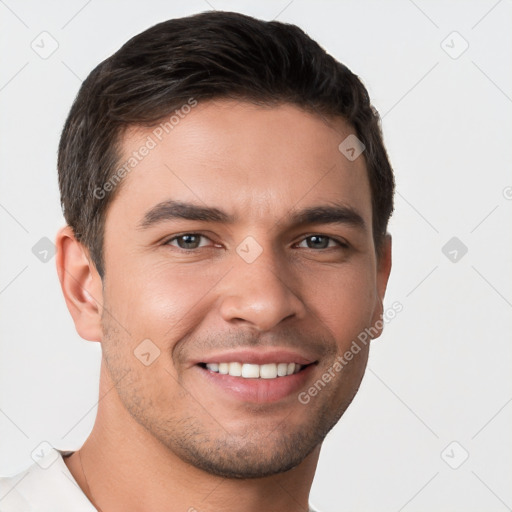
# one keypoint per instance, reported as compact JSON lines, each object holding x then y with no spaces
{"x":383,"y":271}
{"x":80,"y":284}
{"x":384,"y":266}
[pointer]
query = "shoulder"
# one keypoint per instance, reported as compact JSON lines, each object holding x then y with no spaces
{"x":45,"y":486}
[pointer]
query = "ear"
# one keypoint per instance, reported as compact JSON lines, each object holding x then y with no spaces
{"x":383,"y":271}
{"x":81,"y":284}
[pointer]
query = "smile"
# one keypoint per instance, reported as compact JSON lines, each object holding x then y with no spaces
{"x":257,"y":383}
{"x":254,"y":371}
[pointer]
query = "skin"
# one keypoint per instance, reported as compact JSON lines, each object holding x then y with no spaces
{"x":163,"y":439}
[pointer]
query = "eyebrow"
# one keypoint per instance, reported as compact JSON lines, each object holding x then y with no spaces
{"x":170,"y":210}
{"x":329,"y":214}
{"x":326,"y":214}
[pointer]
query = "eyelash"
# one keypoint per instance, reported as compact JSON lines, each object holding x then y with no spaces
{"x":341,"y":244}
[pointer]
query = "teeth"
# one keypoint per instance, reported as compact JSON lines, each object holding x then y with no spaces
{"x":214,"y":367}
{"x":255,"y":371}
{"x":268,"y":371}
{"x":235,"y":369}
{"x":282,"y":369}
{"x":250,"y":371}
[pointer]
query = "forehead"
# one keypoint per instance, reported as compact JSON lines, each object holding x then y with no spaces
{"x":253,"y":161}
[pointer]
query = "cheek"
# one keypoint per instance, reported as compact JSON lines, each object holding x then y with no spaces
{"x":344,"y":301}
{"x":162,"y":300}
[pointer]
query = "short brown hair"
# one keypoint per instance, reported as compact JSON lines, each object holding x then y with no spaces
{"x":205,"y":56}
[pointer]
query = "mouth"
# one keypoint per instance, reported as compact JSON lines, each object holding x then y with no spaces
{"x":254,"y":371}
{"x":256,"y":377}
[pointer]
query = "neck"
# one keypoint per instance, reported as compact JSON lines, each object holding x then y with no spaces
{"x":126,"y":468}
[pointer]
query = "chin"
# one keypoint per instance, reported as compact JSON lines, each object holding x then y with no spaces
{"x":238,"y":457}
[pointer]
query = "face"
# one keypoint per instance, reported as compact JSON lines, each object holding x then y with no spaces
{"x":241,"y":250}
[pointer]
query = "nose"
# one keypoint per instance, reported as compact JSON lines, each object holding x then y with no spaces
{"x":260,"y":294}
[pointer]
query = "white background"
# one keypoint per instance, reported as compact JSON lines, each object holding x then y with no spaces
{"x":442,"y":370}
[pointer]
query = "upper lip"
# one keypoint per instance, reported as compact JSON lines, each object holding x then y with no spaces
{"x":263,"y":356}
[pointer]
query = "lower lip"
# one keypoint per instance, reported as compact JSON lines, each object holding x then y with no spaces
{"x":259,"y":390}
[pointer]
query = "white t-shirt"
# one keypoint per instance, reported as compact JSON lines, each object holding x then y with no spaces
{"x":45,"y":486}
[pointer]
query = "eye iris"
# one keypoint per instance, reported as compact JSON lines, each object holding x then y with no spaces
{"x":188,"y":241}
{"x":318,"y":242}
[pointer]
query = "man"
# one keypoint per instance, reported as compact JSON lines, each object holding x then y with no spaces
{"x":227,"y":193}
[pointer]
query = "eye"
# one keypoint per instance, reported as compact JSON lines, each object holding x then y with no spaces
{"x":321,"y":242}
{"x":188,"y":241}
